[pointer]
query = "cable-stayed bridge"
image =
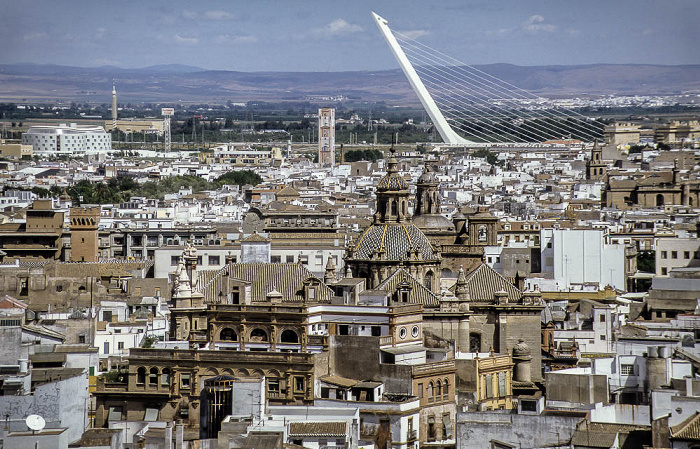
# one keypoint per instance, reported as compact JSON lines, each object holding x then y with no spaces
{"x":470,"y":107}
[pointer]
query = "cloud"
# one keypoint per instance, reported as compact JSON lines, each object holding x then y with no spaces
{"x":414,"y":34}
{"x":573,"y":31}
{"x":230,"y":39}
{"x":101,"y":33}
{"x":218,"y":15}
{"x":187,"y":14}
{"x":499,"y":32}
{"x":536,"y":24}
{"x":183,"y":40}
{"x":340,"y":27}
{"x":38,"y":36}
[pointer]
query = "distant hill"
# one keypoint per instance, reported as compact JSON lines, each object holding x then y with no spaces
{"x":175,"y":82}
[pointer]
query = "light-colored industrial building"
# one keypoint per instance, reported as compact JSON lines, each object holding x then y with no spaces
{"x":67,"y":139}
{"x":242,"y":155}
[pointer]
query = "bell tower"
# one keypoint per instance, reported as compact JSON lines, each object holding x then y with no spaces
{"x":392,"y":195}
{"x":84,"y":225}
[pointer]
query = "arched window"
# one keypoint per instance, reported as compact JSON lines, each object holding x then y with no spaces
{"x":289,"y":336}
{"x":228,"y":334}
{"x":403,"y":207}
{"x":659,"y":200}
{"x":258,"y":335}
{"x":428,"y":280}
{"x":393,"y":207}
{"x":438,"y":390}
{"x":474,"y":342}
{"x":141,"y":375}
{"x":165,"y":377}
{"x":430,"y":391}
{"x":445,"y":389}
{"x":153,"y":376}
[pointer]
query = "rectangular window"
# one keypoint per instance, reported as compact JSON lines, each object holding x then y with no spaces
{"x":686,"y":255}
{"x":602,"y":337}
{"x":627,"y":369}
{"x":185,"y":381}
{"x":174,"y":260}
{"x":120,"y":345}
{"x":106,"y":347}
{"x":446,"y":426}
{"x":319,"y":261}
{"x":299,"y":384}
{"x":151,"y":415}
{"x":502,"y":385}
{"x":276,"y":259}
{"x":664,"y":255}
{"x":602,"y":318}
{"x":115,"y":413}
{"x":289,"y":259}
{"x":214,"y":260}
{"x":420,"y":390}
{"x":674,"y":254}
{"x":664,"y":271}
{"x":488,"y":379}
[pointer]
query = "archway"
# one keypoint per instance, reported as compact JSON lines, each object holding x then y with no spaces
{"x":258,"y":335}
{"x":228,"y":334}
{"x":289,"y":336}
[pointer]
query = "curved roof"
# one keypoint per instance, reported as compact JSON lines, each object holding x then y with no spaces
{"x":392,"y":181}
{"x":397,"y":240}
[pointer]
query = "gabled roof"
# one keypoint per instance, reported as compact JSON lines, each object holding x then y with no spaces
{"x":688,"y":429}
{"x":8,"y":302}
{"x":286,"y":278}
{"x":419,"y":293}
{"x":484,"y":281}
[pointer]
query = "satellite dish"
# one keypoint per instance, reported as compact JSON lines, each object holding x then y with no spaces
{"x":35,"y":422}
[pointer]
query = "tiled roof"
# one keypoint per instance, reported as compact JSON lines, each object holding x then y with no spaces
{"x":396,"y":240}
{"x":688,"y":429}
{"x":392,"y":181}
{"x":318,"y":429}
{"x":286,"y":278}
{"x":484,"y":281}
{"x":602,"y":435}
{"x":419,"y":293}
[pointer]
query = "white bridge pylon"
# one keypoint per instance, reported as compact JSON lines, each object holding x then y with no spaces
{"x":449,"y":136}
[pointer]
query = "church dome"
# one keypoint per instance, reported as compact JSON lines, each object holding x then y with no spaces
{"x":433,"y":222}
{"x":521,"y":349}
{"x":397,"y":241}
{"x":392,"y":181}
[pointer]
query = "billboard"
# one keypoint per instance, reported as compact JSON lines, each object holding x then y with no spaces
{"x":167,"y":111}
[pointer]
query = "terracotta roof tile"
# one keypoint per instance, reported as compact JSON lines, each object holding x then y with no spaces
{"x":318,"y":429}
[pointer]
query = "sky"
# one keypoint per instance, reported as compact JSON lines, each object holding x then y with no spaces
{"x":300,"y":35}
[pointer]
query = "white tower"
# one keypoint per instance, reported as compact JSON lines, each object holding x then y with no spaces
{"x":167,"y":113}
{"x":326,"y":137}
{"x":114,"y":106}
{"x":448,"y":135}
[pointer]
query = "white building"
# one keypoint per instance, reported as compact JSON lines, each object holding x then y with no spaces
{"x":67,"y":139}
{"x":578,"y":257}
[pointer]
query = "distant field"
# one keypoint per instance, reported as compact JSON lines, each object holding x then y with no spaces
{"x":39,"y":83}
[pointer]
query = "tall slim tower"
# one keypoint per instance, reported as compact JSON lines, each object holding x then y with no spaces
{"x":167,"y":113}
{"x":326,"y":136}
{"x":114,"y":106}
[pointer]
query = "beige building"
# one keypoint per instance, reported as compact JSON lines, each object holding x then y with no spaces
{"x":622,"y":133}
{"x":152,"y":126}
{"x":15,"y":150}
{"x":242,"y":155}
{"x":674,"y":252}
